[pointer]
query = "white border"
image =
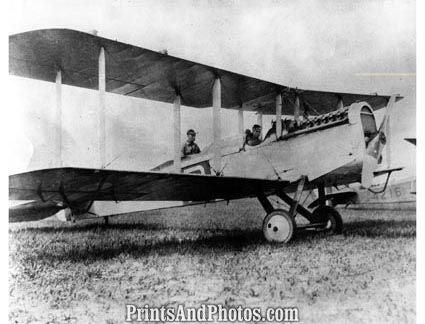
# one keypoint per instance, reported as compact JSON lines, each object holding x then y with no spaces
{"x":420,"y":162}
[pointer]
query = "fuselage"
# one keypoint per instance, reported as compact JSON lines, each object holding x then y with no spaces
{"x":328,"y":150}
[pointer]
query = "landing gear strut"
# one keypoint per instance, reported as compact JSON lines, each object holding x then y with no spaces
{"x":326,"y":214}
{"x":279,"y":225}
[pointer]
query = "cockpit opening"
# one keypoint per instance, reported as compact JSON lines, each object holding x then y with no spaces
{"x":368,"y":123}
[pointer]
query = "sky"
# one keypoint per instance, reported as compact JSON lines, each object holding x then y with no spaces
{"x":347,"y":46}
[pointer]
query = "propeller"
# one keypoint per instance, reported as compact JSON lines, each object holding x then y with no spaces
{"x":375,"y":147}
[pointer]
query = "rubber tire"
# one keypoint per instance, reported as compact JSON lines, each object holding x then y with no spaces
{"x":285,"y":217}
{"x":328,"y":213}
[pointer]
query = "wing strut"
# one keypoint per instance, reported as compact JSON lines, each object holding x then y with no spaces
{"x":297,"y":109}
{"x":240,"y":122}
{"x":177,"y":133}
{"x":339,"y":104}
{"x":278,"y":115}
{"x":58,"y":113}
{"x":216,"y":98}
{"x":102,"y":121}
{"x":260,"y":122}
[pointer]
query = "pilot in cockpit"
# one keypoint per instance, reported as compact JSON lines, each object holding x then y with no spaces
{"x":252,"y":138}
{"x":190,"y":147}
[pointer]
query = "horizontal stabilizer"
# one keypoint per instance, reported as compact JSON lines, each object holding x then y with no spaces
{"x":386,"y":171}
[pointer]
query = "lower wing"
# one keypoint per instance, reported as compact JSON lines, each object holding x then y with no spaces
{"x":78,"y":188}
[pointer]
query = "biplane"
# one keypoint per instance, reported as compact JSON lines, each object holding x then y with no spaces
{"x":333,"y":140}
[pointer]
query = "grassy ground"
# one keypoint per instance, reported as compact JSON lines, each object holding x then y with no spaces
{"x":85,"y":272}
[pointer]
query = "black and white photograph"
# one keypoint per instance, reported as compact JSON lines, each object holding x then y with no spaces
{"x":211,"y":161}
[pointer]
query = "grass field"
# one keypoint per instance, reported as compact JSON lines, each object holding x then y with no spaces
{"x":86,"y":272}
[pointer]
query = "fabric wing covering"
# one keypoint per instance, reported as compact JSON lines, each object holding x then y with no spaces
{"x":139,"y":72}
{"x":79,"y":185}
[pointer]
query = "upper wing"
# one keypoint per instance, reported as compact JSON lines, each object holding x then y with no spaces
{"x":77,"y":185}
{"x":139,"y":72}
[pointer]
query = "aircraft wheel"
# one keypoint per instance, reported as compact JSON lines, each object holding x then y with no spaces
{"x":279,"y":226}
{"x":329,"y":215}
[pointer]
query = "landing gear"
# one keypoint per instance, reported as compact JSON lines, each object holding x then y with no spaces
{"x":330,"y":217}
{"x":279,"y":226}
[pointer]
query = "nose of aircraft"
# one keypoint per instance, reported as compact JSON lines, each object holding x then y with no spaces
{"x":375,"y":147}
